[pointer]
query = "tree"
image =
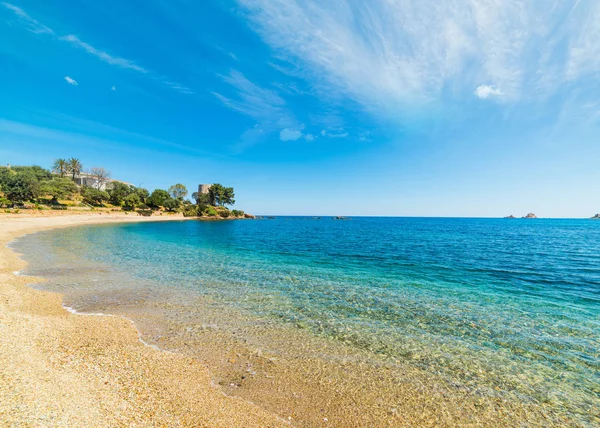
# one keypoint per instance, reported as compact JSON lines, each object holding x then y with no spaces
{"x":21,"y":187}
{"x":75,"y":167}
{"x":178,"y":191}
{"x":228,"y":196}
{"x":220,"y":195}
{"x":38,"y":172}
{"x":60,"y":167}
{"x":93,"y":196}
{"x":142,"y":193}
{"x":158,"y":198}
{"x":131,"y":201}
{"x":201,"y":198}
{"x":101,"y":175}
{"x":118,"y":192}
{"x":214,"y":193}
{"x":58,"y":188}
{"x":172,"y":204}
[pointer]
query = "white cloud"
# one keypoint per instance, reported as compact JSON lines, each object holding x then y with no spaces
{"x":34,"y":25}
{"x":179,"y":88}
{"x":71,"y":81}
{"x":339,"y":134}
{"x":37,"y":27}
{"x":309,"y":137}
{"x":103,"y":56}
{"x":487,"y":91}
{"x":287,"y":134}
{"x":261,"y":104}
{"x":386,"y":56}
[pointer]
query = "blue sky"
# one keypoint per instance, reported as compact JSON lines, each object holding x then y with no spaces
{"x":433,"y":108}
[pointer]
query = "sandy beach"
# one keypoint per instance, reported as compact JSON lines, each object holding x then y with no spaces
{"x":63,"y":369}
{"x":58,"y":368}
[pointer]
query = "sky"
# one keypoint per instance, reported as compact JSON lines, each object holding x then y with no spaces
{"x":479,"y":108}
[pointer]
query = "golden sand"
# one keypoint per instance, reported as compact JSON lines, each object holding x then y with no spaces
{"x":61,"y":369}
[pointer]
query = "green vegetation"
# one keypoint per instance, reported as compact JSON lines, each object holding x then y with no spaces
{"x":62,"y":188}
{"x":65,"y":186}
{"x":75,"y":167}
{"x":220,"y":195}
{"x":158,"y":198}
{"x":21,"y":187}
{"x":178,"y":191}
{"x":131,"y":201}
{"x":95,"y":197}
{"x":60,"y":167}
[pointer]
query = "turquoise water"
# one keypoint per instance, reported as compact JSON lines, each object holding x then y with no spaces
{"x":506,"y":306}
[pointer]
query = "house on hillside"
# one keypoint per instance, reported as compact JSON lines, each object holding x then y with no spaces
{"x":90,"y":180}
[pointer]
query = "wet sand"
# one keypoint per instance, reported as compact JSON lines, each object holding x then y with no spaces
{"x":62,"y":369}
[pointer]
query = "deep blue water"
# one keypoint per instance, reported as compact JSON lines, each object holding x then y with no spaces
{"x":508,"y":305}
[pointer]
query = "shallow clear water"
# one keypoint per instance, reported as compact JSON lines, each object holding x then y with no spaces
{"x":504,"y":306}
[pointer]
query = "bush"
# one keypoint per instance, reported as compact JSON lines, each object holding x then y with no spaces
{"x":131,"y":201}
{"x":94,"y":197}
{"x":190,"y":211}
{"x":237,"y":213}
{"x":210,"y":211}
{"x":224,"y":213}
{"x":21,"y":187}
{"x":58,"y":188}
{"x":158,"y":198}
{"x":4,"y":202}
{"x":171,"y":204}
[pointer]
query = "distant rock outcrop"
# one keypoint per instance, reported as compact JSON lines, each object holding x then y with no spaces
{"x":530,"y":215}
{"x":510,"y":216}
{"x":249,"y":216}
{"x":596,"y":217}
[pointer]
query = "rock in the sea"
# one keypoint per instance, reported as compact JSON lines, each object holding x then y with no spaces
{"x":596,"y":217}
{"x":530,"y":215}
{"x":249,"y":216}
{"x":510,"y":216}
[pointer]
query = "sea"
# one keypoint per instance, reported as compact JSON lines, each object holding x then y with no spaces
{"x":357,"y":321}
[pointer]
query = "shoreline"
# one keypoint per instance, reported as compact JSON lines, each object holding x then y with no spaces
{"x":193,"y":380}
{"x":113,"y":378}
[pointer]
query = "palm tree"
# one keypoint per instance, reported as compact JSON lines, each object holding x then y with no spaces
{"x":60,"y":167}
{"x":75,"y":167}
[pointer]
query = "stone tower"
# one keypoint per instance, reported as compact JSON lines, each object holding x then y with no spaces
{"x":203,"y":188}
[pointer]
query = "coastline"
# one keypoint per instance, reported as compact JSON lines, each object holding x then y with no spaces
{"x":60,"y":368}
{"x":114,"y":379}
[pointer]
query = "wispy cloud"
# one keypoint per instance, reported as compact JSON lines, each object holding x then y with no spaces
{"x":487,"y":91}
{"x":339,"y":134}
{"x":37,"y":27}
{"x":103,"y":56}
{"x":263,"y":105}
{"x":71,"y":81}
{"x":32,"y":24}
{"x":178,"y":87}
{"x":387,"y":56}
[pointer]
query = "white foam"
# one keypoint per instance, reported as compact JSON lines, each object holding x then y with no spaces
{"x":102,"y":314}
